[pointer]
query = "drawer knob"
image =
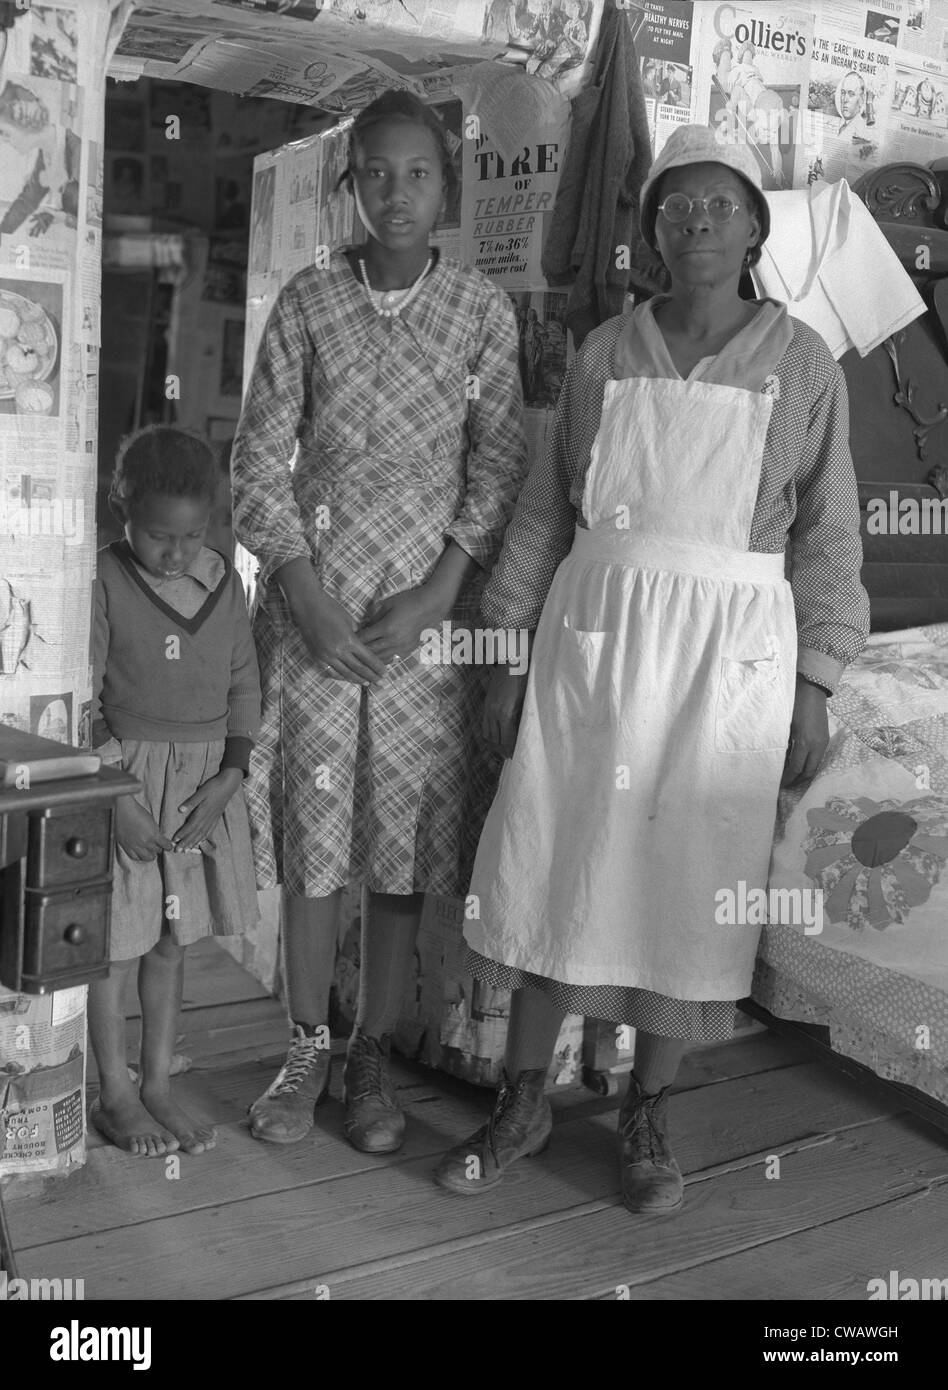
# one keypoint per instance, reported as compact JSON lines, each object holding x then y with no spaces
{"x":75,"y":934}
{"x":77,"y":847}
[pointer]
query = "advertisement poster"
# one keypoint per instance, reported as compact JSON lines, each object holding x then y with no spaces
{"x":849,"y":98}
{"x":751,"y":68}
{"x":662,"y":33}
{"x":509,"y":187}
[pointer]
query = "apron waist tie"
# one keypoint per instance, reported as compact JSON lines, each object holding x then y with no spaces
{"x":611,"y":545}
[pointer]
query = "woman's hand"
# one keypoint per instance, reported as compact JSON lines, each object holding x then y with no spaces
{"x":396,"y":623}
{"x":330,"y":635}
{"x":503,"y":706}
{"x":136,"y":832}
{"x":205,"y":808}
{"x":809,"y":735}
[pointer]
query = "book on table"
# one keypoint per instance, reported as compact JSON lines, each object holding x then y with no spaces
{"x":27,"y":758}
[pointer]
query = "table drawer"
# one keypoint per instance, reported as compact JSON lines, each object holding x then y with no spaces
{"x":66,"y":932}
{"x":71,"y":845}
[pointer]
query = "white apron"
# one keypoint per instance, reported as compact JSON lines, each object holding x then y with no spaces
{"x":657,"y":713}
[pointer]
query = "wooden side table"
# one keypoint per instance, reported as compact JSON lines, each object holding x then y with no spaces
{"x":56,"y":853}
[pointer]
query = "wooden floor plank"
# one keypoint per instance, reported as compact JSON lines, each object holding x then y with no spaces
{"x":211,"y":976}
{"x":355,"y":1208}
{"x":832,"y":1263}
{"x":744,"y":1056}
{"x":113,"y":1190}
{"x":215,"y":1029}
{"x":221,"y":1048}
{"x":259,"y":1220}
{"x":596,"y":1253}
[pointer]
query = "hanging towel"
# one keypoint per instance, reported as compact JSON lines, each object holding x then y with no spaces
{"x":596,"y":206}
{"x":830,"y":263}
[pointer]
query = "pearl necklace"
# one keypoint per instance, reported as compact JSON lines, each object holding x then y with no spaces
{"x":388,"y":304}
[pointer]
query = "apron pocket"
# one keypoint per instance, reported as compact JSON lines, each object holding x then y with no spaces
{"x":584,"y":677}
{"x":751,"y":713}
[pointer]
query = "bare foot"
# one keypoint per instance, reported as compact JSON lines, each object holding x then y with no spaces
{"x":193,"y":1138}
{"x":129,"y":1126}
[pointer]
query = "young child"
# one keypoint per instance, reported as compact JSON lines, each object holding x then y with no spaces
{"x":375,"y":468}
{"x":177,"y":703}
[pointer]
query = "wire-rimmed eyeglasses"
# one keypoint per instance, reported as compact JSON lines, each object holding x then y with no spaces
{"x":677,"y":207}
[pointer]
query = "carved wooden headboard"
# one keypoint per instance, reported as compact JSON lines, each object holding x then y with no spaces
{"x":899,"y":409}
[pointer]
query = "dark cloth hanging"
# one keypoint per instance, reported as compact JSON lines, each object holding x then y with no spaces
{"x":597,"y":206}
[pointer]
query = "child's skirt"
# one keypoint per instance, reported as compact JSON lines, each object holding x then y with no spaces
{"x":182,"y":895}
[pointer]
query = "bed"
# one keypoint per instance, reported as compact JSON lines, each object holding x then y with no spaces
{"x":868,"y":986}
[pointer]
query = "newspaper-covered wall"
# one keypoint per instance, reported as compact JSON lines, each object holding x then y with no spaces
{"x":820,"y":91}
{"x":341,"y":54}
{"x":52,"y":104}
{"x":877,"y":92}
{"x":51,"y":132}
{"x":298,"y":210}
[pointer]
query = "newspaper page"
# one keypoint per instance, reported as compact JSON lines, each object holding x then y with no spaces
{"x":299,"y":208}
{"x":917,"y":116}
{"x":342,"y":54}
{"x":924,"y":27}
{"x":661,"y":30}
{"x":542,"y":345}
{"x":849,"y":98}
{"x":751,"y":64}
{"x":447,"y":232}
{"x":883,"y":20}
{"x":42,"y":1080}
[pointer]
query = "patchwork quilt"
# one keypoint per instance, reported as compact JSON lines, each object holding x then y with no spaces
{"x":868,"y":840}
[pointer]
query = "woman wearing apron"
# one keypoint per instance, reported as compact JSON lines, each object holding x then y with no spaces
{"x":676,"y":675}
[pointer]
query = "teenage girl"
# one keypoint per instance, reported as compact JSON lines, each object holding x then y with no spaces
{"x":177,"y":704}
{"x":375,"y":468}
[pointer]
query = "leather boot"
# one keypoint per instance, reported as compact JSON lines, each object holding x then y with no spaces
{"x":375,"y":1123}
{"x":651,"y":1179}
{"x":519,"y":1125}
{"x":284,"y":1113}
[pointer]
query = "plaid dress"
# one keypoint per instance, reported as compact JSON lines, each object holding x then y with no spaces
{"x":365,"y":444}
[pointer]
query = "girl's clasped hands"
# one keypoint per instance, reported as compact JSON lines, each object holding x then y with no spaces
{"x":138,"y":834}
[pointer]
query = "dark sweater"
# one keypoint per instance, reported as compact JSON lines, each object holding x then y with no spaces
{"x":161,"y":676}
{"x":597,"y":202}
